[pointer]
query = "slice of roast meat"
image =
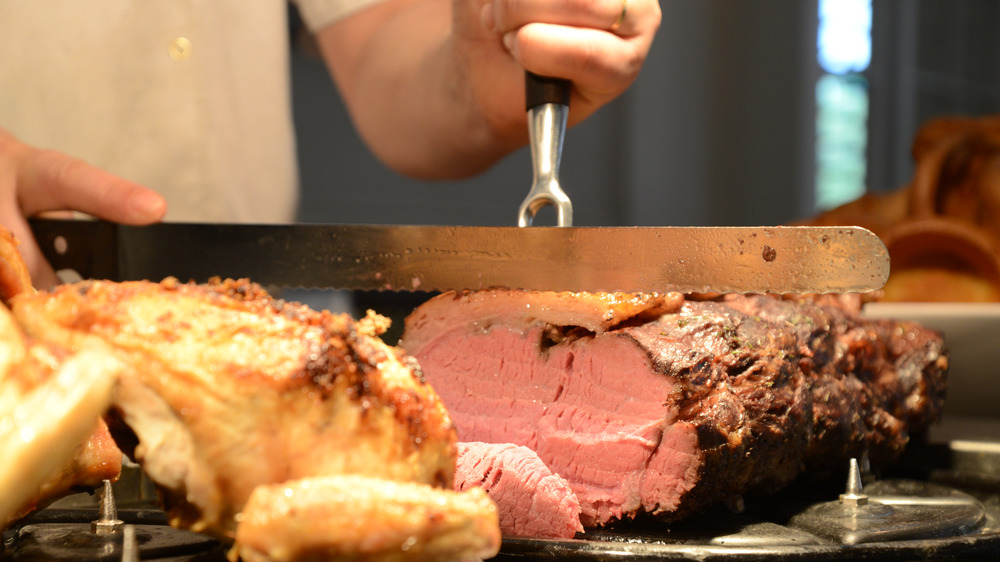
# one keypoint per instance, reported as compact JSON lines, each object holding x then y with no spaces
{"x":532,"y":501}
{"x":674,"y":408}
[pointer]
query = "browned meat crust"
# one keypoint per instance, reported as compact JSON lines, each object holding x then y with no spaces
{"x":792,"y":386}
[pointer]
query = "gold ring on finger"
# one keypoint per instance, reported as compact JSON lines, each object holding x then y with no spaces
{"x":621,"y":17}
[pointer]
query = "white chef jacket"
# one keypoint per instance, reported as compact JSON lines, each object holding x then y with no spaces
{"x":188,"y":97}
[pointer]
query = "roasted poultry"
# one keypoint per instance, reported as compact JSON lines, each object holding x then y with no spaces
{"x":51,"y":432}
{"x":246,"y":410}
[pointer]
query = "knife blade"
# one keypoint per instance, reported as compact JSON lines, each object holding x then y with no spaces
{"x":438,"y":258}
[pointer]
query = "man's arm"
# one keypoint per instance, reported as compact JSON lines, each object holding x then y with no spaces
{"x":436,"y":87}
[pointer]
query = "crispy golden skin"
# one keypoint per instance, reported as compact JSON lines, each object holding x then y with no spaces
{"x":229,"y":391}
{"x":51,"y":434}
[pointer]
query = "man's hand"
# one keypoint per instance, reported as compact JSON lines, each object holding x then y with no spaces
{"x":35,"y":181}
{"x":436,"y":87}
{"x":599,"y":45}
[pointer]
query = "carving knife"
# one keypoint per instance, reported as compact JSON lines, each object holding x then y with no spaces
{"x":437,"y":258}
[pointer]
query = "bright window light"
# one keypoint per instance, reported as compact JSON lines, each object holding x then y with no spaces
{"x":844,"y":46}
{"x":844,"y":38}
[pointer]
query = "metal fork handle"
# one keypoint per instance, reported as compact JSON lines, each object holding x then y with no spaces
{"x":548,"y":108}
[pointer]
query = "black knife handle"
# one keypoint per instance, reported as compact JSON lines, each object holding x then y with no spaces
{"x":539,"y":90}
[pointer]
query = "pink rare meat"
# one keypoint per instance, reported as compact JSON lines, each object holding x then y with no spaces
{"x":532,"y":501}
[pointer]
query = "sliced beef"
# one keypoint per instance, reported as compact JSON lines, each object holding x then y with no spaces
{"x":679,"y":405}
{"x":532,"y":501}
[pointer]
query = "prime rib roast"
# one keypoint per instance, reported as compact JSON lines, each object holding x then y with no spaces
{"x":667,"y":405}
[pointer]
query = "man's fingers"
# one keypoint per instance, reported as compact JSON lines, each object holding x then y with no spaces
{"x":600,"y":65}
{"x":625,"y":18}
{"x":46,"y":182}
{"x":60,"y":182}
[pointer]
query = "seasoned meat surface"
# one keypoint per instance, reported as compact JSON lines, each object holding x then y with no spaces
{"x":874,"y":382}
